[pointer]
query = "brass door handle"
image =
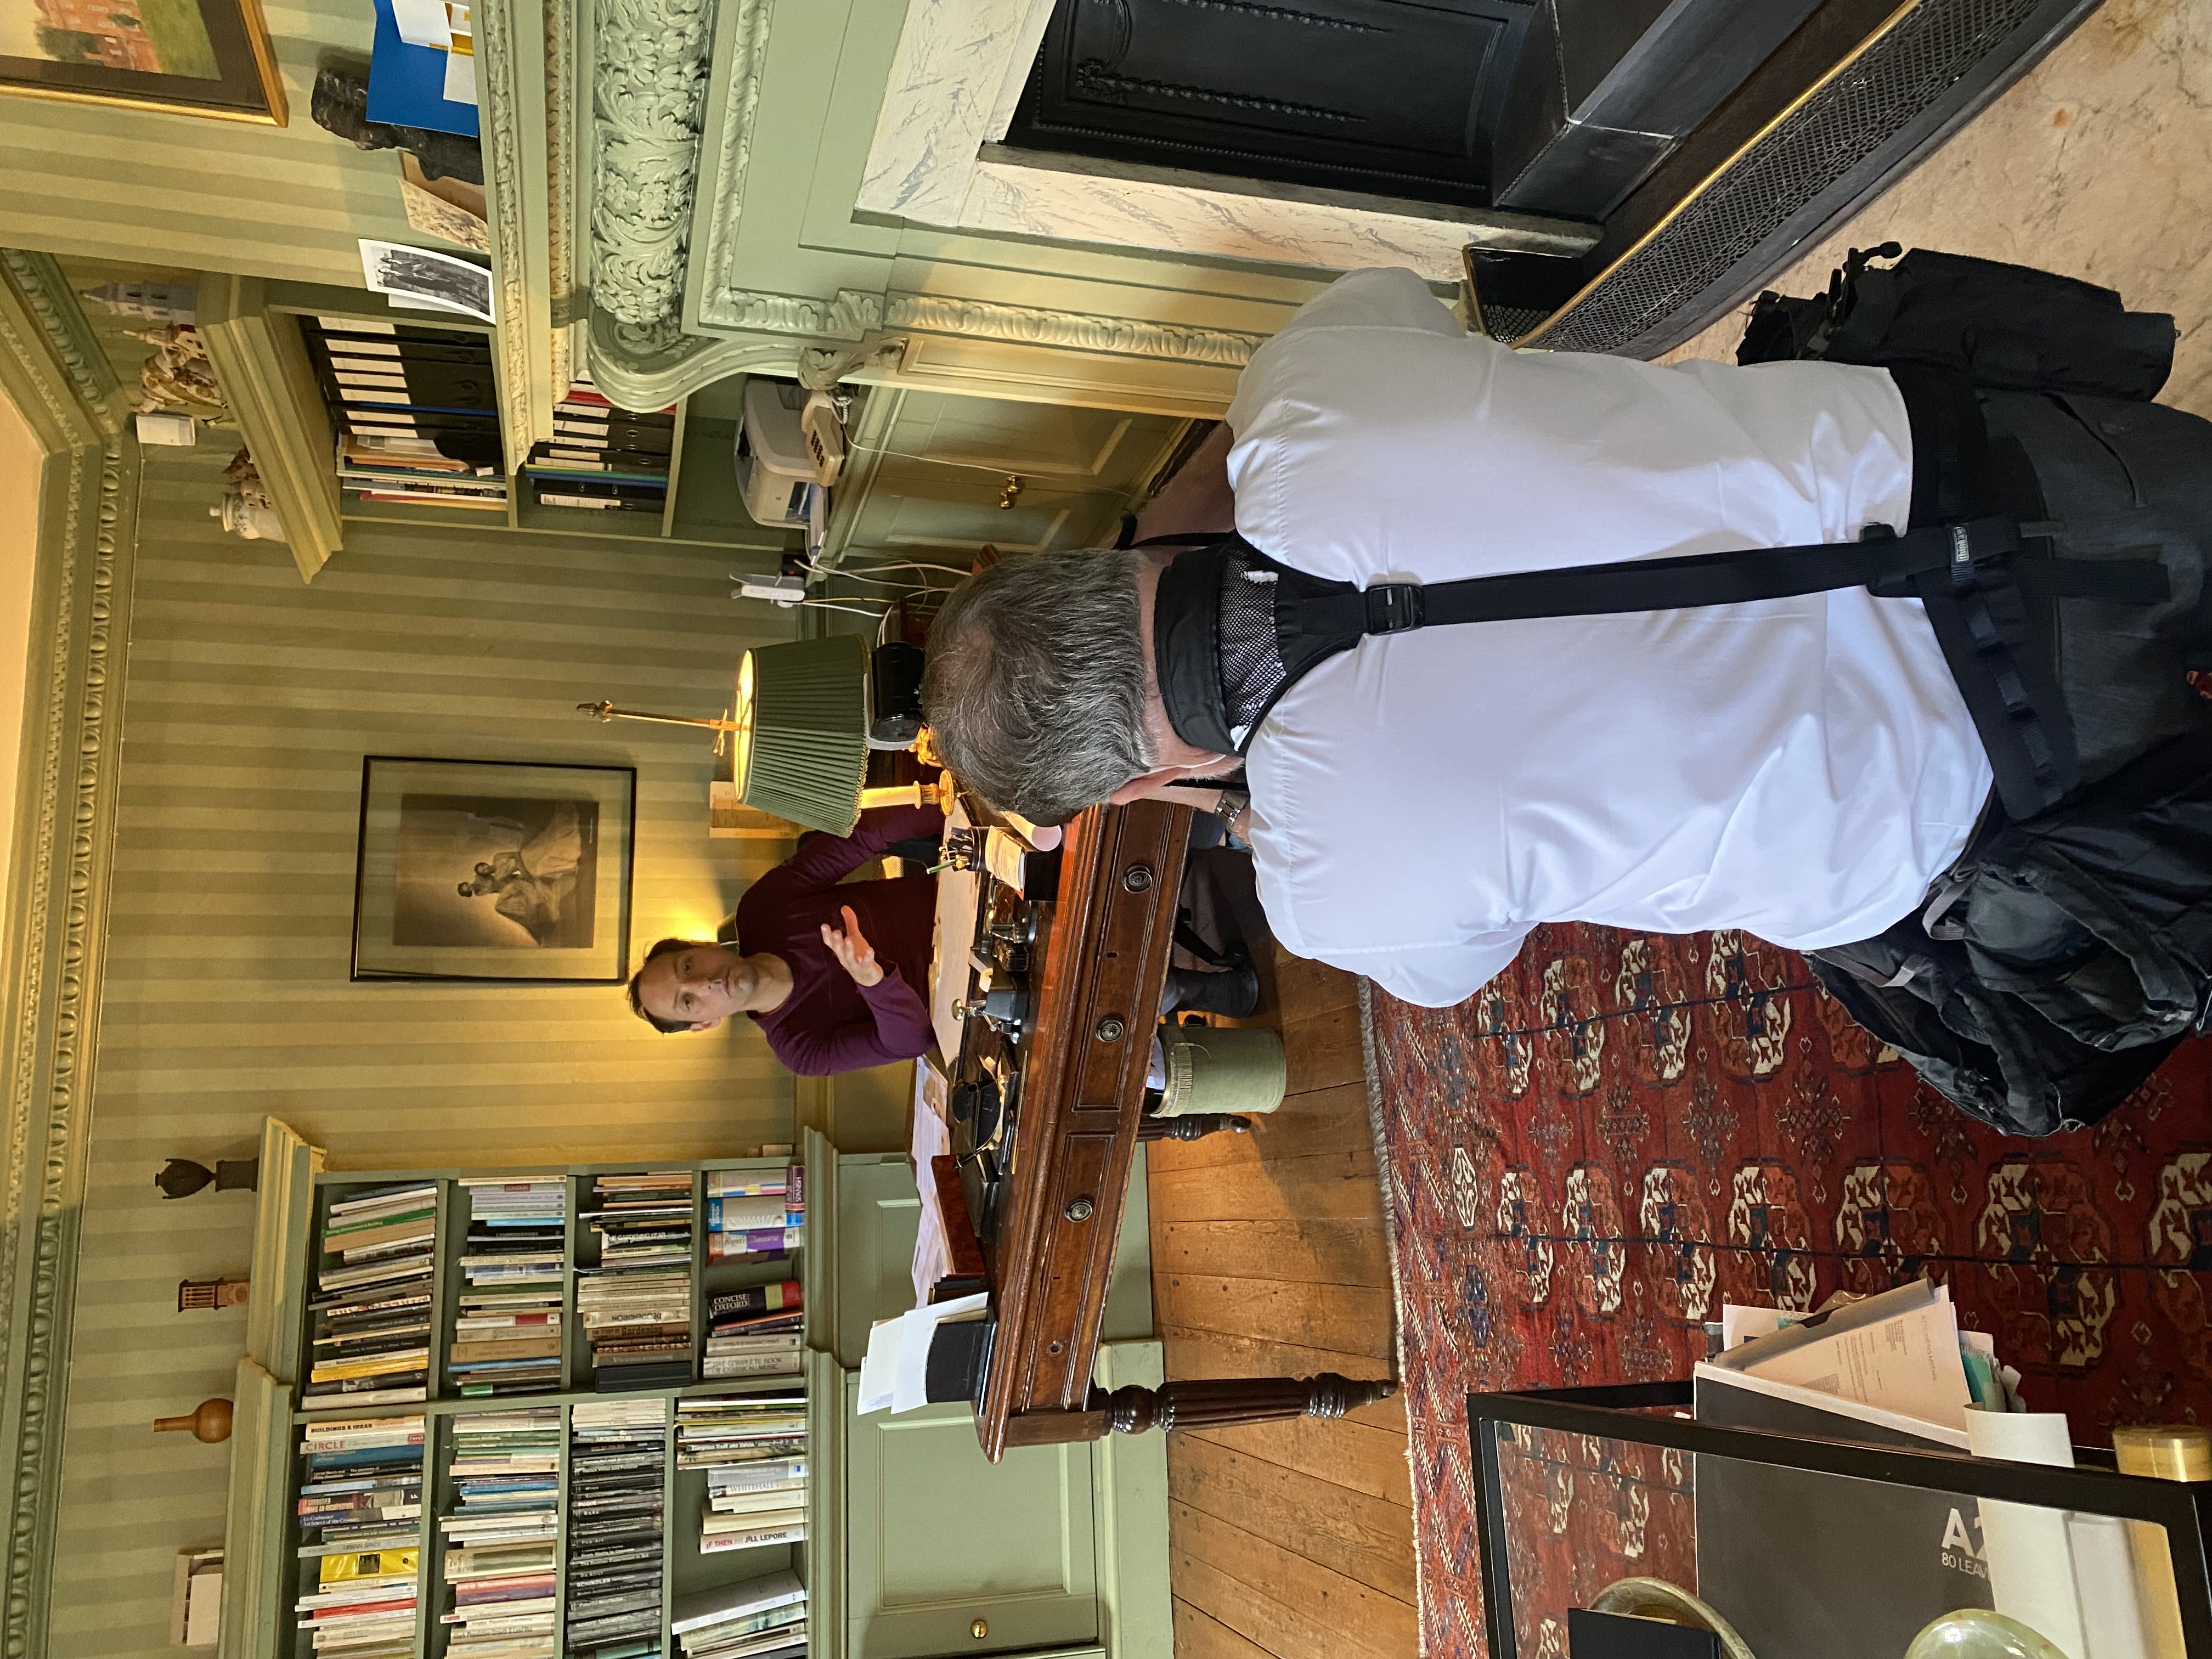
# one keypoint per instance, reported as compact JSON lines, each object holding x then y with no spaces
{"x":1012,"y":490}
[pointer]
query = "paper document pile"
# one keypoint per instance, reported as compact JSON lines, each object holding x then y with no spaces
{"x":895,"y":1373}
{"x":1790,"y":1557}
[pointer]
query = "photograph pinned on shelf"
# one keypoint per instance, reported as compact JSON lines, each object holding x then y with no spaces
{"x":493,"y":870}
{"x":185,"y":57}
{"x":428,"y":279}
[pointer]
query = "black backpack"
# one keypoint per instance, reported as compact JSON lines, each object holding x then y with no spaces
{"x":2006,"y":328}
{"x":2061,"y":959}
{"x":2066,"y":954}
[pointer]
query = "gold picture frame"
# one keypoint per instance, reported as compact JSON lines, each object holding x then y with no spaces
{"x":206,"y":58}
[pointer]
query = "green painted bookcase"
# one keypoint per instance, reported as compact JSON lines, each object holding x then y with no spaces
{"x":914,"y":1541}
{"x":295,"y":1193}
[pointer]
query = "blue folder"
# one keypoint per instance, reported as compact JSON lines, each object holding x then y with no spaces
{"x":407,"y":84}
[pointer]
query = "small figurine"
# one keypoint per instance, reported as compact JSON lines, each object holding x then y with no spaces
{"x":181,"y":1177}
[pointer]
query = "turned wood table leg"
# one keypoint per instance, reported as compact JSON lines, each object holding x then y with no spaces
{"x":1230,"y":1403}
{"x":1192,"y":1125}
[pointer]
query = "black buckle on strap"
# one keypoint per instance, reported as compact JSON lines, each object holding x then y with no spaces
{"x":1395,"y":608}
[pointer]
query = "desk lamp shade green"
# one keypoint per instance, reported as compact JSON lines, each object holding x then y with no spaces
{"x":801,"y":748}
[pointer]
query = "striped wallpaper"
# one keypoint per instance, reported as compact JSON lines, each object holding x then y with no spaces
{"x":100,"y":181}
{"x":250,"y":703}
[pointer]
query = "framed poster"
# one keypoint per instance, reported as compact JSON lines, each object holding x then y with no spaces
{"x":187,"y":57}
{"x":493,"y":870}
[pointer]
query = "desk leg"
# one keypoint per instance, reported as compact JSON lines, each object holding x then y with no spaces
{"x":1230,"y":1402}
{"x":1196,"y":1126}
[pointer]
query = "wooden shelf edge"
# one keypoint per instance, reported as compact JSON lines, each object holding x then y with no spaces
{"x":825,"y":1502}
{"x":284,"y":1212}
{"x":266,"y":380}
{"x":255,"y":1526}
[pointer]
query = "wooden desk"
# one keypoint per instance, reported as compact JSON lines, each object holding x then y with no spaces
{"x":1095,"y":1006}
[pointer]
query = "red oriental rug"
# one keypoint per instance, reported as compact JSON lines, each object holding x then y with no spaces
{"x":1581,"y":1163}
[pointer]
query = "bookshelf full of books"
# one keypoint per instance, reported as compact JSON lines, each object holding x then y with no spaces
{"x":415,"y":414}
{"x":555,"y":1414}
{"x":416,"y":437}
{"x":615,"y":464}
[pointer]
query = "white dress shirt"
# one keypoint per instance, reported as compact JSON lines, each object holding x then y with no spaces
{"x":1799,"y":769}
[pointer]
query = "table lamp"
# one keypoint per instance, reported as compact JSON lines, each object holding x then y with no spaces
{"x":798,"y":732}
{"x":800,"y":747}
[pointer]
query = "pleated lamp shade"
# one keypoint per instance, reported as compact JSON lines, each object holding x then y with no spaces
{"x":802,"y":750}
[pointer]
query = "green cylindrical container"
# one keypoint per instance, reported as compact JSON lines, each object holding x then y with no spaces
{"x":1223,"y":1068}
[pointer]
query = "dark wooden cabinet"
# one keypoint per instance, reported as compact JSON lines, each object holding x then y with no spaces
{"x":1390,"y":97}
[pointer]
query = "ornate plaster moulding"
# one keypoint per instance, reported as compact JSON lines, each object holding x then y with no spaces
{"x":64,"y":815}
{"x":651,"y":368}
{"x":1027,"y":325}
{"x":527,"y":65}
{"x":935,"y":160}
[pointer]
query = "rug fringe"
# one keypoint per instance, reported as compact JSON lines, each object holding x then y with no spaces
{"x":1397,"y":1280}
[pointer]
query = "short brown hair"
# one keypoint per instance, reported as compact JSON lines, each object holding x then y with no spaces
{"x":661,"y":948}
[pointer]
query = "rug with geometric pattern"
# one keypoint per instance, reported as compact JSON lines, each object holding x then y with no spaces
{"x":1582,"y":1161}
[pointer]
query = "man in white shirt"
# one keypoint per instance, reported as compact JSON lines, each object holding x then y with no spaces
{"x":1798,"y":767}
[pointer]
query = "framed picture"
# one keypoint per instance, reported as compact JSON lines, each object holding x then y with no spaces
{"x":493,"y":870}
{"x":187,"y":57}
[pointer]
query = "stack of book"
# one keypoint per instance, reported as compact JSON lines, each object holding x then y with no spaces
{"x":753,"y":1448}
{"x":762,"y":1617}
{"x":635,"y":1306}
{"x":617,"y":1462}
{"x":361,"y":1529}
{"x":507,"y":1337}
{"x":372,"y":1306}
{"x":752,"y":1217}
{"x":757,"y":1331}
{"x":502,"y":1533}
{"x":416,"y":410}
{"x":602,"y":459}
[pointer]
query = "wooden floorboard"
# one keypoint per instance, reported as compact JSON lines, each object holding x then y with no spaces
{"x":1293,"y":1607}
{"x":1287,"y":1540}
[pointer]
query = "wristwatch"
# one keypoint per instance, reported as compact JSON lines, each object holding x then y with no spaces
{"x":1230,"y":806}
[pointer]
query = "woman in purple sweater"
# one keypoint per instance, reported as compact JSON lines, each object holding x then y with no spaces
{"x":827,"y":996}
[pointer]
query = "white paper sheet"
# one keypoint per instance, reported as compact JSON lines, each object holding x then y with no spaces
{"x":1908,"y":1363}
{"x":1739,"y":1323}
{"x":933,"y":1257}
{"x":879,"y":1364}
{"x":2029,"y":1556}
{"x":917,"y":1329}
{"x":2104,"y":1583}
{"x":461,"y":78}
{"x":423,"y":22}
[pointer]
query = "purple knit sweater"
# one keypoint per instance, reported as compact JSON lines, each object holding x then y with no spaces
{"x":829,"y":1023}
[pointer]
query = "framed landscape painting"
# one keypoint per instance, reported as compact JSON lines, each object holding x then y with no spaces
{"x":493,"y":870}
{"x":191,"y":57}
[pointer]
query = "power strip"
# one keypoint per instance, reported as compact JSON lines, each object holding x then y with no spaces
{"x":784,"y":590}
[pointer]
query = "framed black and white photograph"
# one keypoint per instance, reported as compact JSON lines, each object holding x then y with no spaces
{"x":425,"y":278}
{"x":493,"y":870}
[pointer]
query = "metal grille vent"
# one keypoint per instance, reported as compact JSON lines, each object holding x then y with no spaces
{"x":1833,"y":130}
